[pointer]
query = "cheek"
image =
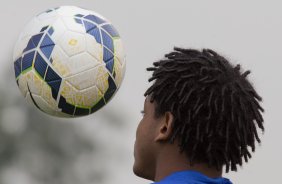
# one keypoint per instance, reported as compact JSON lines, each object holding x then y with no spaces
{"x":144,"y":150}
{"x":144,"y":137}
{"x":138,"y":147}
{"x":137,"y":135}
{"x":140,"y":138}
{"x":140,"y":128}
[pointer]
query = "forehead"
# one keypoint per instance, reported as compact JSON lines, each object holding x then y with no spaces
{"x":148,"y":103}
{"x":147,"y":100}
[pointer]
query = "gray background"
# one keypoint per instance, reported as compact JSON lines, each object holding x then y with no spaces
{"x":246,"y":32}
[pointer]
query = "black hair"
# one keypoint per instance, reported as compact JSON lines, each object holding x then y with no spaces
{"x":216,"y":109}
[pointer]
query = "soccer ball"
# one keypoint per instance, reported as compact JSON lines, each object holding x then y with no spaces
{"x":69,"y":61}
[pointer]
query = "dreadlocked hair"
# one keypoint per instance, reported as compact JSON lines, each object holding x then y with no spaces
{"x":216,"y":109}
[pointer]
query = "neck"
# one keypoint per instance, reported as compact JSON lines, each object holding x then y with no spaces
{"x":170,"y":161}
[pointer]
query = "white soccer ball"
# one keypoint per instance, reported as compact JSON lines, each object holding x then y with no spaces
{"x":69,"y":61}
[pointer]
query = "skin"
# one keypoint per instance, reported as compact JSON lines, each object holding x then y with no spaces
{"x":155,"y":157}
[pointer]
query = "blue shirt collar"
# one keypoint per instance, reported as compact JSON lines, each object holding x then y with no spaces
{"x":186,"y":177}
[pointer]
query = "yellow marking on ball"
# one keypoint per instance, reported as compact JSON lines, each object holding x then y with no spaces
{"x":73,"y":42}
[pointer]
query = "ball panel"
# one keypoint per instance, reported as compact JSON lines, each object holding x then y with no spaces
{"x":29,"y":99}
{"x":20,"y":46}
{"x":18,"y":67}
{"x":108,"y":56}
{"x":60,"y":62}
{"x":119,"y":58}
{"x":72,"y":43}
{"x":23,"y":80}
{"x":95,"y":33}
{"x":119,"y":52}
{"x":85,"y":79}
{"x":68,"y":92}
{"x":102,"y":79}
{"x":107,"y":41}
{"x":94,"y":48}
{"x":72,"y":25}
{"x":65,"y":106}
{"x":95,"y":18}
{"x":47,"y":46}
{"x":45,"y":107}
{"x":33,"y":42}
{"x":48,"y":97}
{"x":86,"y":98}
{"x":55,"y":87}
{"x":59,"y":29}
{"x":110,"y":66}
{"x":118,"y":72}
{"x":111,"y":30}
{"x":27,"y":60}
{"x":81,"y":111}
{"x":111,"y":89}
{"x":35,"y":83}
{"x":40,"y":65}
{"x":90,"y":96}
{"x":51,"y":75}
{"x":98,"y":105}
{"x":82,"y":62}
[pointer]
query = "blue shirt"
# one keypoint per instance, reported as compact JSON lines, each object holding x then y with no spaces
{"x":191,"y":177}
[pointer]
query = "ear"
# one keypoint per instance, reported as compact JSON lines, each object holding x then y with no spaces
{"x":164,"y":129}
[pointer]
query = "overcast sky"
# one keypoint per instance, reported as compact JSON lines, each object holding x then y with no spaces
{"x":245,"y":31}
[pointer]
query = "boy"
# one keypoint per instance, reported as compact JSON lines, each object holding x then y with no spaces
{"x":200,"y":114}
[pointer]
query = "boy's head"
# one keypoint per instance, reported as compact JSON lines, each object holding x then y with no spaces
{"x":202,"y":104}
